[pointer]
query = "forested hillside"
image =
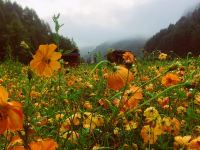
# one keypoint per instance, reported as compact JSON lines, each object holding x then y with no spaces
{"x":18,"y":24}
{"x":181,"y":38}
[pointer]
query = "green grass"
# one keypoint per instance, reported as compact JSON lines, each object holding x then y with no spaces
{"x":56,"y":95}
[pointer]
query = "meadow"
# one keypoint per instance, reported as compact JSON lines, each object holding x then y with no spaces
{"x":143,"y":104}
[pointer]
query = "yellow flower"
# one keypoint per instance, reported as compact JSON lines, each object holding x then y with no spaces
{"x":129,"y":125}
{"x":151,"y":114}
{"x":98,"y":120}
{"x":75,"y":120}
{"x":72,"y":136}
{"x":181,"y":110}
{"x":35,"y":94}
{"x":170,"y":79}
{"x":165,"y":124}
{"x":88,"y":121}
{"x":92,"y":121}
{"x":45,"y":62}
{"x":150,"y":134}
{"x":181,"y":140}
{"x":116,"y":131}
{"x":162,"y":56}
{"x":197,"y":98}
{"x":149,"y":87}
{"x":59,"y":117}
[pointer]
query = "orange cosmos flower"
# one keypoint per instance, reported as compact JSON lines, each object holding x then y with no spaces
{"x":103,"y":103}
{"x":11,"y":114}
{"x":87,"y":105}
{"x":170,"y":79}
{"x":175,"y":126}
{"x":170,"y":125}
{"x":165,"y":124}
{"x":118,"y":79}
{"x":43,"y":144}
{"x":16,"y":144}
{"x":128,"y":57}
{"x":132,"y":97}
{"x":45,"y":62}
{"x":40,"y":144}
{"x":194,"y":144}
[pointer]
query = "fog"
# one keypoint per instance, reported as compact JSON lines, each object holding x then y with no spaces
{"x":92,"y":22}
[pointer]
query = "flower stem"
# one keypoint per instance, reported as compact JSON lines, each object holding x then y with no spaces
{"x":158,"y":95}
{"x":97,"y":65}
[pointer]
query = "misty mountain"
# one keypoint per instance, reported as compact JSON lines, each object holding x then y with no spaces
{"x":84,"y":50}
{"x":134,"y":44}
{"x":181,"y":37}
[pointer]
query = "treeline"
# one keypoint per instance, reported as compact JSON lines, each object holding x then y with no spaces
{"x":18,"y":24}
{"x":180,"y":38}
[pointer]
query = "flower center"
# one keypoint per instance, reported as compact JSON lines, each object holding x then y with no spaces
{"x":170,"y":81}
{"x":46,"y":60}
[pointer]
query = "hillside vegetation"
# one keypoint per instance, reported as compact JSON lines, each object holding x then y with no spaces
{"x":181,"y":38}
{"x":18,"y":24}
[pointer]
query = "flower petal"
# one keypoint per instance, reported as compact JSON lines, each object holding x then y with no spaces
{"x":40,"y":69}
{"x":34,"y":63}
{"x":51,"y":48}
{"x":48,"y":71}
{"x":55,"y":65}
{"x":3,"y":96}
{"x":49,"y":144}
{"x":3,"y":125}
{"x":43,"y":50}
{"x":15,"y":116}
{"x":55,"y":56}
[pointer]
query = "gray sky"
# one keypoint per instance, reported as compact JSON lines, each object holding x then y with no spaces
{"x":91,"y":22}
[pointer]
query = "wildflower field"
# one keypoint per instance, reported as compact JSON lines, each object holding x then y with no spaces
{"x":136,"y":105}
{"x":132,"y":104}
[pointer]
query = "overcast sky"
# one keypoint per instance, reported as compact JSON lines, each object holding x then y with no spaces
{"x":91,"y":22}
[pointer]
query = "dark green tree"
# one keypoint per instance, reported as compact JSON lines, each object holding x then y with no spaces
{"x":181,"y":38}
{"x":18,"y":24}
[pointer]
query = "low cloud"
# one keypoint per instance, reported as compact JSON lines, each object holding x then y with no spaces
{"x":91,"y":22}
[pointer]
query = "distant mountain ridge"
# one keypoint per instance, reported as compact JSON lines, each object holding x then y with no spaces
{"x":181,"y":37}
{"x":134,"y":44}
